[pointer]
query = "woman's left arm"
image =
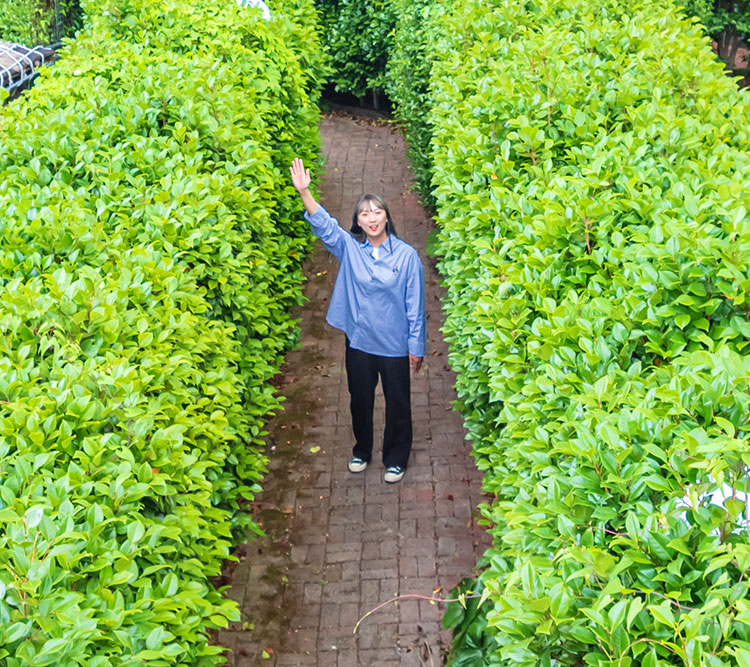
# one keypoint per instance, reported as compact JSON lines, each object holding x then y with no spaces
{"x":415,"y":312}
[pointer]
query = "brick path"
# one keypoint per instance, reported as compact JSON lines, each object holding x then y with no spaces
{"x":338,"y":544}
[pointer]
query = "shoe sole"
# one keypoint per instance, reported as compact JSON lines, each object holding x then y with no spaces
{"x":392,"y":479}
{"x":357,"y":468}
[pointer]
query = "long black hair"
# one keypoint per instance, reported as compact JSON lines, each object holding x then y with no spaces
{"x":379,"y":203}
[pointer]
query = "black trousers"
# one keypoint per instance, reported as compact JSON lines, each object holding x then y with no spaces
{"x":362,"y":371}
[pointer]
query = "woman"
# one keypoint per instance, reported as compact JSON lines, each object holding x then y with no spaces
{"x":378,"y":301}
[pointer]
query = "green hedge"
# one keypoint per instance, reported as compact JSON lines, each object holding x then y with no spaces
{"x":356,"y":34}
{"x":407,"y":82}
{"x":149,"y":252}
{"x":589,"y":172}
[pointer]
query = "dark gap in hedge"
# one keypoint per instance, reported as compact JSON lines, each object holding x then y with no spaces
{"x":373,"y":100}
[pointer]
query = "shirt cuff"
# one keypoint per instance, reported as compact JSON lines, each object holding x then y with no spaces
{"x":319,"y":218}
{"x":416,"y":348}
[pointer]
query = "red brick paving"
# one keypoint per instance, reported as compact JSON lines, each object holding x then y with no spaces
{"x":338,"y":544}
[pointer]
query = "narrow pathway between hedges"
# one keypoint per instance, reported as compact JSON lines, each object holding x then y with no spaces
{"x":339,"y":544}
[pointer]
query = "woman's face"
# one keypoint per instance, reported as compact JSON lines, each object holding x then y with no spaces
{"x":372,"y":219}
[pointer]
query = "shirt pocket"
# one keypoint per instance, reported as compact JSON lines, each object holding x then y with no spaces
{"x":386,"y":275}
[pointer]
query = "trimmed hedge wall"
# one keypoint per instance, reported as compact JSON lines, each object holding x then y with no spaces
{"x":149,"y":253}
{"x":589,"y":172}
{"x":356,"y":34}
{"x":407,"y":82}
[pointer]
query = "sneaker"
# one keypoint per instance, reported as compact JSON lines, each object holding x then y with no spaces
{"x":357,"y":464}
{"x":393,"y":474}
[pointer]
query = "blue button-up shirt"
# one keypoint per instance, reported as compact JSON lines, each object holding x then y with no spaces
{"x":378,"y":302}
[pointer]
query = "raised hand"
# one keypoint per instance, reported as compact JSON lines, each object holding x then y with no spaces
{"x":301,"y":181}
{"x":300,"y":175}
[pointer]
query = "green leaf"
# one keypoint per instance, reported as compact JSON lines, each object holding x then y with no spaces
{"x":663,"y":614}
{"x":650,"y":659}
{"x":15,"y":631}
{"x":33,"y":516}
{"x":743,"y":657}
{"x":454,"y":615}
{"x":635,"y":608}
{"x":656,"y":547}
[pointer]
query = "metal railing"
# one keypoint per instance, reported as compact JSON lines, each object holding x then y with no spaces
{"x":19,"y":64}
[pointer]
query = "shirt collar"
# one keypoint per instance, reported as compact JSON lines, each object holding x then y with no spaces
{"x":386,"y":245}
